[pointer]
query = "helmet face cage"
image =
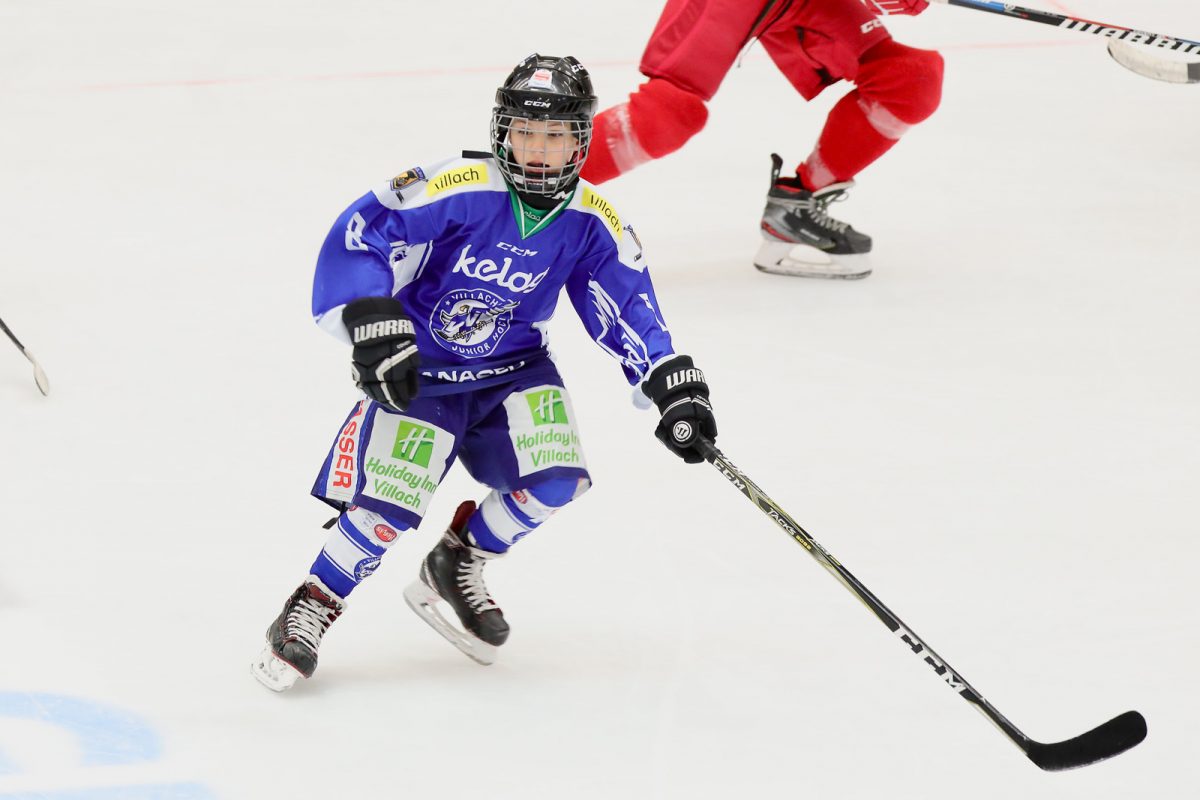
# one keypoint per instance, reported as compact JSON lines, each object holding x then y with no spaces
{"x":542,"y":124}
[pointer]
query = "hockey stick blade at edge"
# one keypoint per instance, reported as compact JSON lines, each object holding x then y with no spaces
{"x":1105,"y":741}
{"x":1114,"y":737}
{"x":1143,"y":62}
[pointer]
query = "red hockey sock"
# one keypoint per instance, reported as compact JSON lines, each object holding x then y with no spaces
{"x":898,"y":87}
{"x":658,"y":119}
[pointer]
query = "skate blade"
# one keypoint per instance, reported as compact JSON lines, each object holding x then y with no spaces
{"x":273,"y":672}
{"x":800,"y":260}
{"x":426,"y":602}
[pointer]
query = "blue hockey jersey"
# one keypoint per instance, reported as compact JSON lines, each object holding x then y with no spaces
{"x":480,"y":276}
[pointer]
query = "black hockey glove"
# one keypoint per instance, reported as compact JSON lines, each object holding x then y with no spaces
{"x":679,"y":391}
{"x":385,"y":360}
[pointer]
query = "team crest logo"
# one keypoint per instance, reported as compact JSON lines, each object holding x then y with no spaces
{"x":471,"y":322}
{"x":366,"y":568}
{"x":407,"y":178}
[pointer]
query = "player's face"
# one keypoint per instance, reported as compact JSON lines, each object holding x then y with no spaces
{"x":542,"y":146}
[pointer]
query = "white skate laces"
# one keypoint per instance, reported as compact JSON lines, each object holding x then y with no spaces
{"x":817,"y":206}
{"x":820,"y":210}
{"x":469,"y":578}
{"x":308,"y":621}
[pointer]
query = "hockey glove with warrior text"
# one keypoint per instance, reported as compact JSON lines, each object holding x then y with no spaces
{"x":679,"y":391}
{"x":385,"y":360}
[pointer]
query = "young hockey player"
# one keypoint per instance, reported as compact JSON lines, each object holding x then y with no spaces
{"x":443,"y":281}
{"x":814,"y":43}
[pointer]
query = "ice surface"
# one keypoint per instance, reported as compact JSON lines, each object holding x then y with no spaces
{"x":998,"y":431}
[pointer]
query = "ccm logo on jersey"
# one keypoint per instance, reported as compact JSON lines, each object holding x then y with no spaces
{"x":867,"y":27}
{"x":677,"y":379}
{"x":512,"y":248}
{"x":378,"y":330}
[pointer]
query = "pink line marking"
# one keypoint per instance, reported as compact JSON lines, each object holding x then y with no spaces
{"x":436,"y":73}
{"x":345,"y":76}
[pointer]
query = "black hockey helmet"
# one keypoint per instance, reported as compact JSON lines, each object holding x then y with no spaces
{"x":544,"y":88}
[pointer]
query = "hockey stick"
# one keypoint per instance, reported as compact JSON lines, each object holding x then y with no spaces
{"x":43,"y":383}
{"x":1113,"y":737}
{"x":1120,"y":45}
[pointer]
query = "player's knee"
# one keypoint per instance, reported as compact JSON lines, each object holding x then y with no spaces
{"x":905,"y":81}
{"x":664,"y":116}
{"x":658,"y":119}
{"x":372,"y":529}
{"x":505,"y":518}
{"x":557,"y":492}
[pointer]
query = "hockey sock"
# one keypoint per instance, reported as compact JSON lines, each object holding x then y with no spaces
{"x":898,"y":87}
{"x":658,"y":119}
{"x":504,"y":518}
{"x":353,"y":550}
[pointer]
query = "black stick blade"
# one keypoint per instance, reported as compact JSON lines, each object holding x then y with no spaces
{"x":1112,"y":738}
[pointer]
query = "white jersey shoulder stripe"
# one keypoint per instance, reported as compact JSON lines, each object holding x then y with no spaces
{"x":438,"y":180}
{"x":629,"y":247}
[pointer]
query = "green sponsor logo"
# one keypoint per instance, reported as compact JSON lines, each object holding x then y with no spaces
{"x":547,"y":407}
{"x":546,"y":448}
{"x":414,"y":444}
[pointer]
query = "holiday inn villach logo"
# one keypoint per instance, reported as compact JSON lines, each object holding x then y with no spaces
{"x":547,"y":407}
{"x":414,"y":444}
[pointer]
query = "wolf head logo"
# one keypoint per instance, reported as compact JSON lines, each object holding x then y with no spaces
{"x":467,"y":318}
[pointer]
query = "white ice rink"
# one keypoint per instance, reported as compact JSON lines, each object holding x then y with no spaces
{"x":997,"y":432}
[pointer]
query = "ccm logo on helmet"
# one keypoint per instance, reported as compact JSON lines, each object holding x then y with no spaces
{"x":536,"y":103}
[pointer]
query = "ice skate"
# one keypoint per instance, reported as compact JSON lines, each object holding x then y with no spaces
{"x":295,"y":635}
{"x":452,"y":574}
{"x":799,"y":236}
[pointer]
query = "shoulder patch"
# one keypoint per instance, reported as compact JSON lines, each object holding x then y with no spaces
{"x":407,"y":178}
{"x":593,"y":200}
{"x":459,"y":176}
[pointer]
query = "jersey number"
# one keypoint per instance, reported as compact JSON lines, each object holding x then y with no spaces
{"x":354,"y":232}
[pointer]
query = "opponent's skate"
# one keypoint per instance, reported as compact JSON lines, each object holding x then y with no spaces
{"x":453,"y":572}
{"x":799,"y":236}
{"x":295,"y":635}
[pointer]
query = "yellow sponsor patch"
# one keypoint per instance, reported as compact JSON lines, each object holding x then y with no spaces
{"x":593,"y":200}
{"x":459,"y":176}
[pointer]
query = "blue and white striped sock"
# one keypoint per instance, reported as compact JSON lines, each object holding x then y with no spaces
{"x":504,"y":518}
{"x":354,"y":548}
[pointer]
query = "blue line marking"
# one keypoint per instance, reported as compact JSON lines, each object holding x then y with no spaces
{"x":105,"y":735}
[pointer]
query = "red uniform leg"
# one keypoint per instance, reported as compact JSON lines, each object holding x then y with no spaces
{"x":898,"y":87}
{"x":658,"y":119}
{"x":692,"y":48}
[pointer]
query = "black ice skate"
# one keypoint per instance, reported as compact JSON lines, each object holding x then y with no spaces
{"x":453,"y":572}
{"x":295,"y":635}
{"x":799,"y":236}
